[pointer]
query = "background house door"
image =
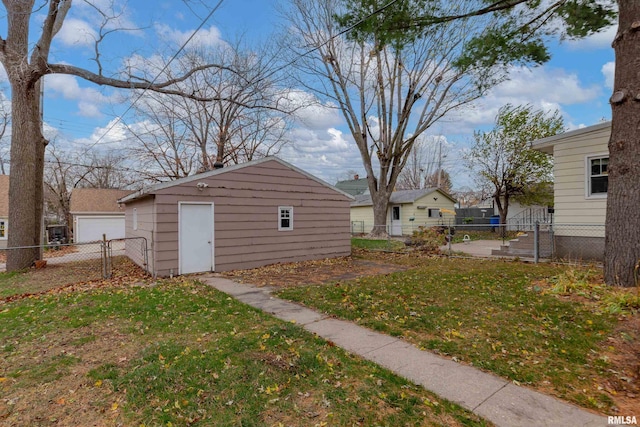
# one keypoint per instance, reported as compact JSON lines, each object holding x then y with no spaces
{"x":195,"y":236}
{"x":396,"y":223}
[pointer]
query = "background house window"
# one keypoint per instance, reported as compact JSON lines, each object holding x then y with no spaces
{"x":285,"y":218}
{"x":434,"y":213}
{"x":598,"y":175}
{"x":3,"y":229}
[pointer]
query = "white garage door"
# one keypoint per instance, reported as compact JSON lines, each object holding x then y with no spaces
{"x":89,"y":229}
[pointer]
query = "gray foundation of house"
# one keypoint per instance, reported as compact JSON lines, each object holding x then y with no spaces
{"x":579,"y":248}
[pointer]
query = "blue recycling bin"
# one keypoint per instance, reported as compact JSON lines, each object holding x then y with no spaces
{"x":494,"y":221}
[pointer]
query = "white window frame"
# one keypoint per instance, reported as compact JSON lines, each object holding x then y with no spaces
{"x":135,"y":219}
{"x":5,"y":222}
{"x":281,"y":209}
{"x":587,"y":176}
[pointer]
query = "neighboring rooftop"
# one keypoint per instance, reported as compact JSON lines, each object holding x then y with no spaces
{"x":400,"y":197}
{"x":4,"y":196}
{"x":97,"y":200}
{"x":355,"y":186}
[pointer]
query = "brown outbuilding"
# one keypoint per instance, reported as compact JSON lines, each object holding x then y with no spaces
{"x":243,"y":216}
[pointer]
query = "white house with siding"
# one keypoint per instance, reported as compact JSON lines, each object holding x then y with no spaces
{"x":580,"y":174}
{"x":408,"y":209}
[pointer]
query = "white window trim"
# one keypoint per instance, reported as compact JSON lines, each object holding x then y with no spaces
{"x":433,"y":209}
{"x":6,"y":228}
{"x":135,"y":219}
{"x":290,"y":209}
{"x":587,"y":176}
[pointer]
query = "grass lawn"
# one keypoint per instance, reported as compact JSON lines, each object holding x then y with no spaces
{"x":375,"y":244}
{"x":504,"y":317}
{"x":34,"y":281}
{"x":178,"y":353}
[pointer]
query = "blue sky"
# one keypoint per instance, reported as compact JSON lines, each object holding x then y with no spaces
{"x":577,"y":81}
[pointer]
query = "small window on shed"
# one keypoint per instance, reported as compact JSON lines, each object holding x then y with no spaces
{"x":285,"y":218}
{"x":135,"y":218}
{"x":3,"y":229}
{"x":434,"y":213}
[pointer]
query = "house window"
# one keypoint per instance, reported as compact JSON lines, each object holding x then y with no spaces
{"x":434,"y":213}
{"x":3,"y":229}
{"x":135,"y":218}
{"x":285,"y":218}
{"x":597,"y":176}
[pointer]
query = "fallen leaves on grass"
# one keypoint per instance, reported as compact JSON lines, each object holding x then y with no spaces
{"x":328,"y":270}
{"x":127,"y":274}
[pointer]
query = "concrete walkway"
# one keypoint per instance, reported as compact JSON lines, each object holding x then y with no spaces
{"x":475,"y":248}
{"x":487,"y":395}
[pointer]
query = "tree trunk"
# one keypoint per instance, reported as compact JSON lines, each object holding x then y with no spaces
{"x":27,"y":168}
{"x":622,"y":237}
{"x":380,"y":210}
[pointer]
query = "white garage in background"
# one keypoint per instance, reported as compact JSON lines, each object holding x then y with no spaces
{"x":95,"y":211}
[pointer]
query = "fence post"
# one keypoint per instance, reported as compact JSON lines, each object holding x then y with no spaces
{"x":536,"y":242}
{"x":103,"y":248}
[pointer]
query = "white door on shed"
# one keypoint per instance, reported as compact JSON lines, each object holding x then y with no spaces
{"x":91,"y":228}
{"x":195,"y":237}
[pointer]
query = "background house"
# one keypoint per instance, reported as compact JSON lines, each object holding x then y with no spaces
{"x":243,"y":216}
{"x":408,"y":209}
{"x":580,"y":174}
{"x":4,"y":210}
{"x":95,"y":211}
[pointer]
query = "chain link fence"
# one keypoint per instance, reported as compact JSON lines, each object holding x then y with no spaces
{"x":571,"y":243}
{"x":93,"y":260}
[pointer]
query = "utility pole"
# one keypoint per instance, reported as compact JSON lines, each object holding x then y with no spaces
{"x":440,"y":163}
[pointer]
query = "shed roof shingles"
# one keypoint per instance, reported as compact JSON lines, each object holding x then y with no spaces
{"x":97,"y":200}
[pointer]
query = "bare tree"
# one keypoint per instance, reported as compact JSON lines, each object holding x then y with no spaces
{"x":25,"y":55}
{"x":243,"y":116}
{"x":62,"y":174}
{"x":423,"y":161}
{"x":389,"y":94}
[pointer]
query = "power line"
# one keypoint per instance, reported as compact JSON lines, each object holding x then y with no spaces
{"x":290,"y":63}
{"x":182,"y":47}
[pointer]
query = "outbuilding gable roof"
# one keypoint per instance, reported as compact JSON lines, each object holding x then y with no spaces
{"x":97,"y":200}
{"x":355,"y":187}
{"x":212,"y":173}
{"x":4,"y":196}
{"x":401,"y":197}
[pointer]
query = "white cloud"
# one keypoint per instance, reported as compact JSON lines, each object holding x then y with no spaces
{"x":327,"y":154}
{"x":76,"y":32}
{"x":600,"y":40}
{"x":310,"y":112}
{"x":608,"y":71}
{"x":89,"y":99}
{"x":205,"y":37}
{"x":542,"y":87}
{"x":115,"y":134}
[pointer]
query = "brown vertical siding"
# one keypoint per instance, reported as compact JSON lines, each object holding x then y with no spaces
{"x":246,"y":205}
{"x":146,"y":222}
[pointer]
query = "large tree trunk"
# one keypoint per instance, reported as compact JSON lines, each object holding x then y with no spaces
{"x":622,"y":241}
{"x":380,"y":209}
{"x":27,"y":167}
